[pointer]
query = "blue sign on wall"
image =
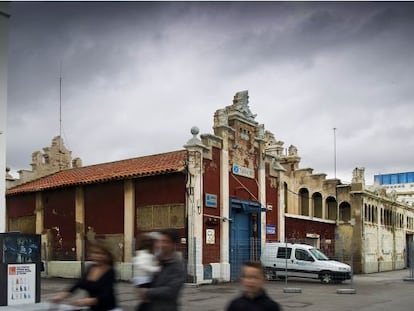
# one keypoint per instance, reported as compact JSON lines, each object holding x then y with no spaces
{"x":211,"y":200}
{"x":243,"y":171}
{"x":270,"y":229}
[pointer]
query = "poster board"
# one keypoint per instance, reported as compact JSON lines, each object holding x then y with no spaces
{"x":19,"y":268}
{"x":21,"y":284}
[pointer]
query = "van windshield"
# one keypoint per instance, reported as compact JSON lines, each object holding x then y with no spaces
{"x":318,"y":254}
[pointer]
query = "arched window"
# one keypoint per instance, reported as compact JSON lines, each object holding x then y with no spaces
{"x":365,"y":212}
{"x":345,"y":211}
{"x":331,"y":208}
{"x":370,"y":213}
{"x":304,"y":201}
{"x":317,"y":204}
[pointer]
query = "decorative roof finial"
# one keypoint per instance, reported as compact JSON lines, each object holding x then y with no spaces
{"x":241,"y":104}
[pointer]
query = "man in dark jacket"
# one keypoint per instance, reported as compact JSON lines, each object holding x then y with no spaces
{"x":254,"y":297}
{"x":163,"y":293}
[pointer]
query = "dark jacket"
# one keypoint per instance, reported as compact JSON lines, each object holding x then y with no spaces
{"x":261,"y":302}
{"x":101,"y":289}
{"x":166,"y":285}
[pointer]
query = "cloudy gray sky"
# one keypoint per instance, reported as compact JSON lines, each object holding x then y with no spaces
{"x":138,"y":75}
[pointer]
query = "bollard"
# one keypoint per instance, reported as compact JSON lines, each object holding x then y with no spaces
{"x":346,"y":291}
{"x":290,"y":290}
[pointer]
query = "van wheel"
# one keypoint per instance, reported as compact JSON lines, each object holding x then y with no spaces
{"x":270,"y":274}
{"x":326,"y":277}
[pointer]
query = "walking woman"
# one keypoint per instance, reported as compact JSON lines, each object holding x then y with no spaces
{"x":98,"y":281}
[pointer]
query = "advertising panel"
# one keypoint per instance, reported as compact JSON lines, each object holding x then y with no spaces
{"x":21,"y":280}
{"x":20,"y":262}
{"x":20,"y":248}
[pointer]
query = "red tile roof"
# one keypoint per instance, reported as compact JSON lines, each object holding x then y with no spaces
{"x":130,"y":168}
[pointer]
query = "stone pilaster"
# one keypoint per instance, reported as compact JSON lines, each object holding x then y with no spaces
{"x":225,"y":209}
{"x":195,"y":205}
{"x":261,"y":175}
{"x":80,"y":223}
{"x":129,"y":219}
{"x":39,"y":210}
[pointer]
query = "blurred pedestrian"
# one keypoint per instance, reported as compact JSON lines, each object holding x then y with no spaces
{"x":98,"y":281}
{"x":254,"y":297}
{"x":145,"y":263}
{"x":164,"y":290}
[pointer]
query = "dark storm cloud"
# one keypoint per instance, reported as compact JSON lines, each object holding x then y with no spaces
{"x":138,"y":75}
{"x":317,"y":30}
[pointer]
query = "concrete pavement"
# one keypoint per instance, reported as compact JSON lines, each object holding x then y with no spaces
{"x":378,"y":291}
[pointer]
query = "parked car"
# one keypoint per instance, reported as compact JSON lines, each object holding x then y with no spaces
{"x":301,"y":260}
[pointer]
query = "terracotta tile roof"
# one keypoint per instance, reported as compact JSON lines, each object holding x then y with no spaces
{"x":130,"y":168}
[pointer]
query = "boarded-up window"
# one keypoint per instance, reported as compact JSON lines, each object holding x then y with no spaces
{"x":144,"y":217}
{"x":25,"y":224}
{"x":160,"y":216}
{"x":177,"y":216}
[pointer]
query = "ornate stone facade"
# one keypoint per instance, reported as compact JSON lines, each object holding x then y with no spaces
{"x":238,"y":184}
{"x":52,"y":159}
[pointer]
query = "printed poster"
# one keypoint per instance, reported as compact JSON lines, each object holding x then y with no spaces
{"x":210,"y":236}
{"x":21,"y":279}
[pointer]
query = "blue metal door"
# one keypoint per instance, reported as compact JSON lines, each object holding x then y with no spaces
{"x":245,"y":234}
{"x":239,"y":242}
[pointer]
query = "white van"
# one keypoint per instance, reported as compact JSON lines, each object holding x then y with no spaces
{"x":301,"y":260}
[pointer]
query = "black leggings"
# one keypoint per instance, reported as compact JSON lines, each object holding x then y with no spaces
{"x":144,"y":306}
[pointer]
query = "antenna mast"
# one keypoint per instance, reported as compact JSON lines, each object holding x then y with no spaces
{"x":60,"y":117}
{"x":334,"y":132}
{"x":60,"y":102}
